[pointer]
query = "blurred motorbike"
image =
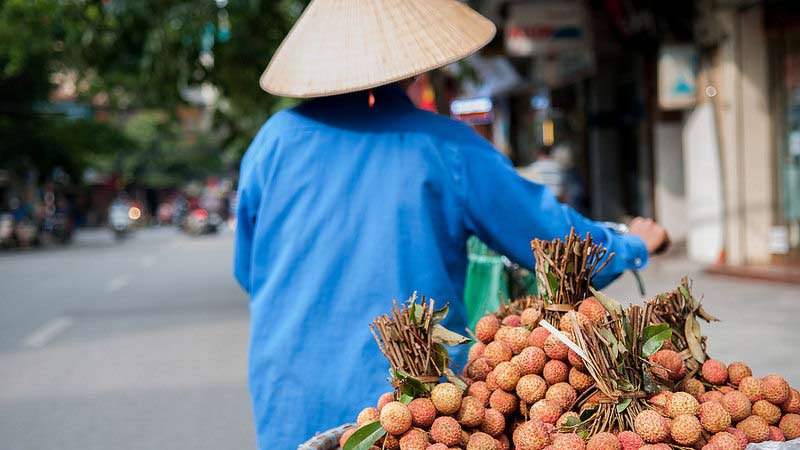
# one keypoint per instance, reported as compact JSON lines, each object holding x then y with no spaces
{"x":199,"y":221}
{"x":26,"y":232}
{"x":120,"y":219}
{"x":6,"y":231}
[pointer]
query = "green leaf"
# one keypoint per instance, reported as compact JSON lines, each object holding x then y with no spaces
{"x":608,"y":303}
{"x":443,"y":335}
{"x":685,"y":293}
{"x":365,"y":436}
{"x":407,"y":380}
{"x":416,"y":313}
{"x":553,"y":282}
{"x":650,"y":386}
{"x":406,"y":399}
{"x":440,"y":314}
{"x":587,"y":414}
{"x":654,"y":338}
{"x":584,"y":434}
{"x":455,"y":379}
{"x":440,"y":356}
{"x":623,"y":405}
{"x":572,"y":421}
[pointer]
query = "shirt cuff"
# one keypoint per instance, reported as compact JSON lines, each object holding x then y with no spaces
{"x":637,"y":254}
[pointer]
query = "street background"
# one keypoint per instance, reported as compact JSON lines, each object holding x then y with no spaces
{"x":143,"y":344}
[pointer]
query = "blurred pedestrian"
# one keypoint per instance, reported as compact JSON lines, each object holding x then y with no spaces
{"x":545,"y":170}
{"x":357,"y":197}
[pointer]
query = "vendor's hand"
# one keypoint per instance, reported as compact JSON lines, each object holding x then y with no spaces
{"x":654,"y":235}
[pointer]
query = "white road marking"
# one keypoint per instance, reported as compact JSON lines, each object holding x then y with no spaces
{"x":117,"y":283}
{"x":48,"y":332}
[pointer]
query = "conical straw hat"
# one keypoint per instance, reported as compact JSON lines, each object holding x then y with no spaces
{"x":340,"y":46}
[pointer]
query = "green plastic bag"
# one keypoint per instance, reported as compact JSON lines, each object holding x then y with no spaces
{"x":486,"y":281}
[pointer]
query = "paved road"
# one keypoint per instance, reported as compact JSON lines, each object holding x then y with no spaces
{"x":142,"y":345}
{"x":138,"y":345}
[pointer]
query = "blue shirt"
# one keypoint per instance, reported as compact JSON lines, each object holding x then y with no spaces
{"x":343,"y":208}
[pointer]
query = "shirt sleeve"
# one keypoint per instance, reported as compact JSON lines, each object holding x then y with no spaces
{"x":245,"y":224}
{"x":507,"y":211}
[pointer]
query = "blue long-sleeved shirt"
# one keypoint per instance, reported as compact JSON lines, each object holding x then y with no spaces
{"x":343,"y":208}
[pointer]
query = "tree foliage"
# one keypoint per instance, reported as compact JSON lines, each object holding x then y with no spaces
{"x":134,"y":60}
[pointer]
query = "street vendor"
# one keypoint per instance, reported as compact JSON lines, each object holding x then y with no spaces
{"x":356,"y":197}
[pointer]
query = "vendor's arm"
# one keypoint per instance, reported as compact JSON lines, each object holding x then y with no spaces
{"x":507,"y":212}
{"x":248,"y":199}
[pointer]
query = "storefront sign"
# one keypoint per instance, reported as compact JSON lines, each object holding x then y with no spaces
{"x":545,"y":27}
{"x":474,"y":111}
{"x":677,"y":76}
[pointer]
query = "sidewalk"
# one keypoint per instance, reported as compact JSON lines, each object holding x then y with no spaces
{"x":758,"y":319}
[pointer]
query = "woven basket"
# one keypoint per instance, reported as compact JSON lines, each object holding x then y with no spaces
{"x":328,"y":440}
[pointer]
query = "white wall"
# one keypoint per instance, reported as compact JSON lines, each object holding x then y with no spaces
{"x":670,"y":193}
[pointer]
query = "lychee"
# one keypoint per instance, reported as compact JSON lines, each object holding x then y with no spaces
{"x":775,"y":389}
{"x":545,"y":410}
{"x":481,"y":441}
{"x":737,"y":371}
{"x":568,"y":441}
{"x":659,"y":401}
{"x":651,"y":426}
{"x":494,"y":422}
{"x":531,"y":388}
{"x":486,"y":328}
{"x":711,"y":396}
{"x":603,"y":441}
{"x":565,"y":323}
{"x":471,"y":413}
{"x":563,"y":394}
{"x":422,"y":412}
{"x":713,"y":417}
{"x":506,"y":376}
{"x":790,"y":425}
{"x":530,"y":360}
{"x":446,"y":397}
{"x":479,"y":390}
{"x":775,"y":434}
{"x":395,"y":418}
{"x":478,"y":369}
{"x":367,"y":415}
{"x":384,"y":399}
{"x":512,"y":320}
{"x":767,"y":411}
{"x":555,"y":371}
{"x":741,"y":437}
{"x":681,"y":403}
{"x":414,"y":439}
{"x":725,"y":440}
{"x":491,"y":381}
{"x":578,"y":380}
{"x":530,"y":317}
{"x":503,"y":401}
{"x":694,"y":387}
{"x":446,"y":430}
{"x":630,"y":440}
{"x":755,"y":428}
{"x":437,"y":446}
{"x":792,"y":404}
{"x":667,"y":364}
{"x":531,"y":435}
{"x":555,"y":349}
{"x":576,"y":361}
{"x":685,"y":429}
{"x":389,"y":442}
{"x":662,"y":446}
{"x":538,"y":336}
{"x":516,"y":338}
{"x":503,"y":443}
{"x":714,"y":372}
{"x":592,"y":309}
{"x":497,"y":352}
{"x":476,"y":351}
{"x":752,"y":388}
{"x":737,"y":405}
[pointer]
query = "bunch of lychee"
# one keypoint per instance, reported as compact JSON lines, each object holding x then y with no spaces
{"x":523,"y":391}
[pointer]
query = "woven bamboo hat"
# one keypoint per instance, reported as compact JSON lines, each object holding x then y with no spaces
{"x":340,"y":46}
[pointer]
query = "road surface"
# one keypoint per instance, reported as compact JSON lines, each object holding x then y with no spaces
{"x":137,"y":345}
